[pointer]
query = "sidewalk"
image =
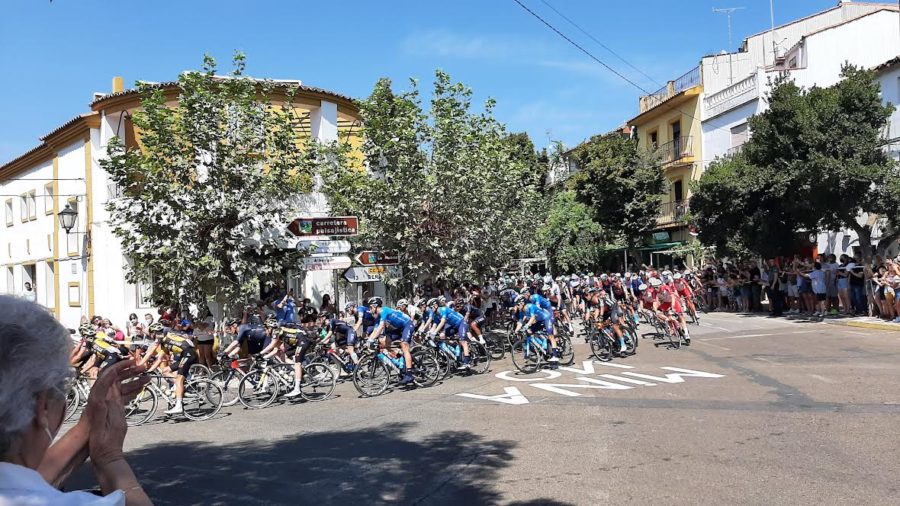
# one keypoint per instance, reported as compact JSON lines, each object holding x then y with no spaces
{"x":852,"y":321}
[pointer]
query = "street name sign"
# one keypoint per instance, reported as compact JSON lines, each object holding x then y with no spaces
{"x":326,"y":246}
{"x":378,"y":258}
{"x":333,"y":225}
{"x":326,"y":263}
{"x":360,"y":275}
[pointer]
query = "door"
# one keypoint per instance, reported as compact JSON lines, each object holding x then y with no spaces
{"x":676,"y":140}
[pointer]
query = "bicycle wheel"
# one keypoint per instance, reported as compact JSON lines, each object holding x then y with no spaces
{"x":601,"y":347}
{"x":202,"y":399}
{"x":371,"y":377}
{"x":229,"y":380}
{"x":318,"y":382}
{"x":631,"y":342}
{"x":425,"y":369}
{"x":197,"y":371}
{"x":258,"y":389}
{"x":445,"y":365}
{"x":566,"y":351}
{"x":674,"y":336}
{"x":496,"y":348}
{"x":479,"y":358}
{"x":142,"y":408}
{"x":525,"y":357}
{"x":73,"y":400}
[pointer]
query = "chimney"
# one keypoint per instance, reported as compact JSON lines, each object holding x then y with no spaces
{"x":118,"y":84}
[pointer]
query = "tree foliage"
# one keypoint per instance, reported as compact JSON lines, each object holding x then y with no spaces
{"x":814,"y":162}
{"x":445,"y":187}
{"x":207,"y":195}
{"x":570,"y":236}
{"x":622,"y":185}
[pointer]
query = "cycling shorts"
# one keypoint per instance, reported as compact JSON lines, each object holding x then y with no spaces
{"x":348,"y":339}
{"x":665,"y":307}
{"x":403,"y":334}
{"x":458,"y":332}
{"x":684,"y":293}
{"x":110,"y":359}
{"x":301,"y":348}
{"x":184,"y":362}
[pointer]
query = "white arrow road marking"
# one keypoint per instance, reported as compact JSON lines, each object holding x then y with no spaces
{"x":587,"y":367}
{"x":512,"y":396}
{"x":678,"y":377}
{"x":596,"y":384}
{"x":618,"y":366}
{"x":550,"y":375}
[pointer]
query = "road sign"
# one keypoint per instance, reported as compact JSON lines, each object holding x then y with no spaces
{"x":326,"y":246}
{"x":378,"y":258}
{"x":332,"y":225}
{"x":326,"y":263}
{"x":360,"y":275}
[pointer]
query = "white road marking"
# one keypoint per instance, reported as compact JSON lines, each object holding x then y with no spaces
{"x":822,"y":378}
{"x":512,"y":396}
{"x":678,"y":377}
{"x":738,"y":337}
{"x":855,"y":332}
{"x":695,"y":340}
{"x":723,"y":329}
{"x":596,"y":384}
{"x":587,"y":367}
{"x":550,"y":375}
{"x":627,"y":380}
{"x":610,"y":364}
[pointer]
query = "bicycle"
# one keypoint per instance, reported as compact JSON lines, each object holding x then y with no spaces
{"x":376,"y":371}
{"x":672,"y":331}
{"x":229,"y":376}
{"x":605,"y":344}
{"x":266,"y":380}
{"x":202,"y":400}
{"x":532,"y":351}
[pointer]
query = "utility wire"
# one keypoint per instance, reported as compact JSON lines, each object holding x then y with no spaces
{"x":604,"y":46}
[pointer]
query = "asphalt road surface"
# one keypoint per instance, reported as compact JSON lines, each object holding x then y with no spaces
{"x":756,"y":411}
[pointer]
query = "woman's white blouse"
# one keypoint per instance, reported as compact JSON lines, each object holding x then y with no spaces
{"x":21,"y":486}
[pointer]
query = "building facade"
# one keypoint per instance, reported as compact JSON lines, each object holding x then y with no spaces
{"x":82,"y":273}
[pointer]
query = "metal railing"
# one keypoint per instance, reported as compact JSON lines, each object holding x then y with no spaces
{"x":675,"y":150}
{"x":689,"y":79}
{"x":673,"y":212}
{"x":735,"y":150}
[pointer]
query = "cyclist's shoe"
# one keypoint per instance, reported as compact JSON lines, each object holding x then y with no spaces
{"x":177,"y":410}
{"x":623,"y":348}
{"x":553,"y":359}
{"x":293,"y":393}
{"x":687,"y":340}
{"x":407,"y":379}
{"x":350,"y":367}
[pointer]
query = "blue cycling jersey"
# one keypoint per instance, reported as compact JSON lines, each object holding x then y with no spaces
{"x":394,"y":318}
{"x":366,"y":315}
{"x":533,"y":310}
{"x":453,"y":318}
{"x":541,"y":301}
{"x":436,"y":316}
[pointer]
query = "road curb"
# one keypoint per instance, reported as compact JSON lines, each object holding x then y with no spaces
{"x":868,"y":325}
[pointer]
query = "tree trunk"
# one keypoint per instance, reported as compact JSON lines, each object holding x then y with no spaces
{"x":864,"y":233}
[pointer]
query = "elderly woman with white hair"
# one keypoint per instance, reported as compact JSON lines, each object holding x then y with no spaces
{"x":34,"y":377}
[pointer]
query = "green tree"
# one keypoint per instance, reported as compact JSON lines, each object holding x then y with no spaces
{"x":443,"y":186}
{"x":208,"y":193}
{"x":621,"y":184}
{"x":814,"y":162}
{"x":570,"y":236}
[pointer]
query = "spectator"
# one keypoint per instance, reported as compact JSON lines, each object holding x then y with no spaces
{"x":34,"y":378}
{"x":148,"y":320}
{"x":28,"y":294}
{"x":818,"y":288}
{"x":830,"y":267}
{"x":327,"y":306}
{"x":134,"y":327}
{"x":857,"y":285}
{"x":286,"y":308}
{"x":308,"y":313}
{"x":843,"y":285}
{"x":204,"y":338}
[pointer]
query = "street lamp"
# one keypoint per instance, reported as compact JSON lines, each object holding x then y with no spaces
{"x":67,"y":218}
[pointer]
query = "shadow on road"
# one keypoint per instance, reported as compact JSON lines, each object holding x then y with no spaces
{"x":368,"y":466}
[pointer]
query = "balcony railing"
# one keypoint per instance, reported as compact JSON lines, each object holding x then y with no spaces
{"x":673,"y":212}
{"x":675,"y":150}
{"x":735,"y":150}
{"x":690,"y":79}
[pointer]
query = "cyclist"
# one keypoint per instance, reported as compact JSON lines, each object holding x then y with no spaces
{"x":545,"y":304}
{"x":608,"y":310}
{"x":96,"y":351}
{"x":257,"y":338}
{"x":474,"y":316}
{"x":394,"y":324}
{"x":365,"y":319}
{"x":683,"y":289}
{"x":343,"y":335}
{"x":179,"y":352}
{"x":452,"y":323}
{"x":533,"y":317}
{"x":291,"y":341}
{"x":666,"y":299}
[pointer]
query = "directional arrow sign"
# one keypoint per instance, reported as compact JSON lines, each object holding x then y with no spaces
{"x":361,"y":275}
{"x":512,"y":396}
{"x":326,"y":246}
{"x":378,"y":258}
{"x":326,"y":263}
{"x":333,"y":225}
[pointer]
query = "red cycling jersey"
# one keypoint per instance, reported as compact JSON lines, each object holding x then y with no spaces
{"x":682,"y":288}
{"x":669,"y":299}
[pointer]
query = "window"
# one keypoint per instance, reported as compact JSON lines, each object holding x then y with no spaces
{"x":50,"y":285}
{"x":48,"y":198}
{"x":29,"y":206}
{"x":9,"y":212}
{"x":678,"y":189}
{"x":739,"y":134}
{"x":10,"y":280}
{"x":676,"y":131}
{"x":654,"y":140}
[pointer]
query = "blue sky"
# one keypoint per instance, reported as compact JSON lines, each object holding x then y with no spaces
{"x":55,"y":55}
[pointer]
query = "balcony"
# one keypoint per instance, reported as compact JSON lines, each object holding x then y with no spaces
{"x":737,"y":94}
{"x":675,"y":150}
{"x":672,"y":212}
{"x":672,"y":88}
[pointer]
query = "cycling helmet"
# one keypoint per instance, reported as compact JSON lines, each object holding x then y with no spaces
{"x":375,"y":301}
{"x":521,"y":299}
{"x":155,"y":327}
{"x":677,"y":275}
{"x":431,"y":302}
{"x":87,"y":330}
{"x":271,"y":322}
{"x":604,"y":277}
{"x":327,"y":315}
{"x":667,"y":273}
{"x":546,"y":288}
{"x":525,"y":291}
{"x":642,"y":287}
{"x":402,"y":303}
{"x":655,"y":282}
{"x":451,"y":303}
{"x":421,"y":303}
{"x":231,"y":322}
{"x":574,"y":277}
{"x":350,"y":306}
{"x":442,"y":300}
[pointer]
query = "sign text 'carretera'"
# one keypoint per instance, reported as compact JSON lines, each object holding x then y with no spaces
{"x":333,"y":225}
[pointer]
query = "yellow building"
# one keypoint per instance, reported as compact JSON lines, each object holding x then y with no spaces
{"x":669,"y":124}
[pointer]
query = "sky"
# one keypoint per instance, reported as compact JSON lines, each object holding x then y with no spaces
{"x":55,"y":54}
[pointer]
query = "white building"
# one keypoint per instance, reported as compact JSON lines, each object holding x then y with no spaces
{"x":82,"y":273}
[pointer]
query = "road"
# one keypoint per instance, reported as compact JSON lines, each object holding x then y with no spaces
{"x":756,"y":411}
